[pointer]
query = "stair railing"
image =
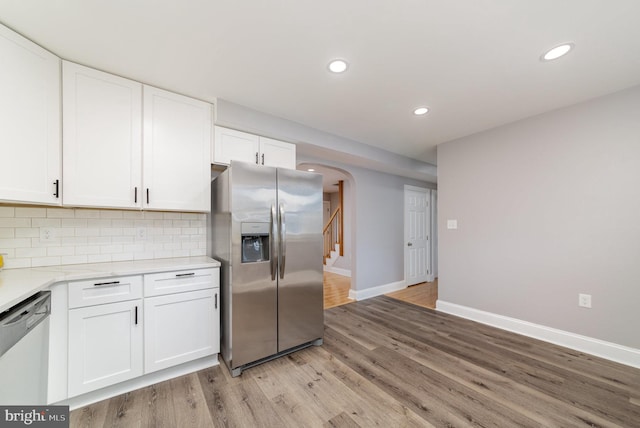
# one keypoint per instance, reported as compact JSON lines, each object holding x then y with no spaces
{"x":332,"y":233}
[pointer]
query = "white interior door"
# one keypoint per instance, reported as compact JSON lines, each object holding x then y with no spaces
{"x":417,"y":227}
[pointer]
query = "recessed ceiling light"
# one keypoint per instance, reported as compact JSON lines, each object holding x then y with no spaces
{"x":311,"y":170}
{"x":420,"y":111}
{"x":557,"y":52}
{"x":338,"y":66}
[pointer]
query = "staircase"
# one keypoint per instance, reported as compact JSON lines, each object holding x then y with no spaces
{"x":333,"y":233}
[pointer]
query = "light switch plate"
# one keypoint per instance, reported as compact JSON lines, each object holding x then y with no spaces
{"x":452,"y":224}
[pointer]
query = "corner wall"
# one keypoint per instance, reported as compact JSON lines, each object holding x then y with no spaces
{"x":547,"y":208}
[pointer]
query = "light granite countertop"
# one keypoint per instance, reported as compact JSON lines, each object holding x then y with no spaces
{"x":19,"y":284}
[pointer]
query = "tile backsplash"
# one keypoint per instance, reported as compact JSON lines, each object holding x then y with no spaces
{"x":35,"y":236}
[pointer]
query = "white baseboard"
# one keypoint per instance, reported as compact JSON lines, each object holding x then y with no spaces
{"x":339,"y":271}
{"x":367,"y":293}
{"x":139,"y":382}
{"x":600,"y":348}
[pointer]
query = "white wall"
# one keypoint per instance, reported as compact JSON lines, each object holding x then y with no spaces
{"x":94,"y":236}
{"x":547,"y":208}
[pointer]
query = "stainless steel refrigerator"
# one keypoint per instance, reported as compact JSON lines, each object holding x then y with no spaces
{"x":267,"y":234}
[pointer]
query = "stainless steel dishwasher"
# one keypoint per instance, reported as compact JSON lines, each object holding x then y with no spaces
{"x":24,"y":349}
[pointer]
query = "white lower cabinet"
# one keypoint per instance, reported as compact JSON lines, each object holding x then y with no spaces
{"x":116,"y":334}
{"x":105,"y":345}
{"x":180,"y":328}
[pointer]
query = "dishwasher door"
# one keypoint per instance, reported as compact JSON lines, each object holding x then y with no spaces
{"x":24,"y":349}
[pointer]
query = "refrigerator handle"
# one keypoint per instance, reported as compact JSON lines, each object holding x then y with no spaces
{"x":283,"y":241}
{"x":272,"y":243}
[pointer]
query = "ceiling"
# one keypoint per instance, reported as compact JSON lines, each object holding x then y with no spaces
{"x":330,"y":176}
{"x":475,"y":63}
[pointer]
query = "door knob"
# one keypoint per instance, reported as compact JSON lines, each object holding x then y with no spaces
{"x":409,"y":244}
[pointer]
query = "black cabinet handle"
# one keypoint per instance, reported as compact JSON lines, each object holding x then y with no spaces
{"x":216,"y":301}
{"x":98,"y":284}
{"x":256,"y":158}
{"x":57,"y":191}
{"x":263,"y":159}
{"x":147,"y":196}
{"x":185,"y":274}
{"x":136,"y":315}
{"x":135,"y":195}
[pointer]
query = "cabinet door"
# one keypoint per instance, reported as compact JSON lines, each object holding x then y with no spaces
{"x":29,"y":121}
{"x":230,"y":144}
{"x":102,"y":125}
{"x":277,"y":153}
{"x":105,"y":345}
{"x":177,"y":149}
{"x":180,"y":327}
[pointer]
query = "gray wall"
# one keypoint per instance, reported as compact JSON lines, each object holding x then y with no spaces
{"x":547,"y":208}
{"x":376,"y":199}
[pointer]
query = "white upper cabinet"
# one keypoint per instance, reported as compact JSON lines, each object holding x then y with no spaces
{"x":277,"y":153}
{"x":102,"y":134}
{"x":30,"y":151}
{"x":230,"y":144}
{"x":117,"y":157}
{"x":177,"y":150}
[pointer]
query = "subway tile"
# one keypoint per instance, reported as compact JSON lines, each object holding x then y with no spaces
{"x":74,"y":222}
{"x":26,"y":232}
{"x":31,"y":252}
{"x":45,"y":222}
{"x":172,"y":216}
{"x":172,"y":246}
{"x":153,"y":215}
{"x":190,"y":216}
{"x":6,"y":212}
{"x":111,"y":249}
{"x":171,"y":231}
{"x":99,"y":222}
{"x":87,"y":249}
{"x":17,"y":263}
{"x":15,"y":242}
{"x":122,"y":239}
{"x":133,"y":248}
{"x":87,"y":213}
{"x":143,"y":223}
{"x":61,"y":251}
{"x":31,"y":212}
{"x":110,"y":231}
{"x":162,"y":254}
{"x":15,"y":222}
{"x":64,"y":232}
{"x":60,"y":213}
{"x":180,"y":223}
{"x":143,"y":255}
{"x":98,"y":258}
{"x":134,"y":215}
{"x":110,"y":214}
{"x":73,"y":260}
{"x":189,"y":230}
{"x":122,"y":223}
{"x":120,"y":257}
{"x":162,"y":223}
{"x":197,"y":252}
{"x":45,"y":261}
{"x":98,"y":240}
{"x":89,"y":231}
{"x":7,"y":232}
{"x":180,"y":253}
{"x":54,"y":242}
{"x":197,"y":223}
{"x":188,"y":245}
{"x":74,"y":240}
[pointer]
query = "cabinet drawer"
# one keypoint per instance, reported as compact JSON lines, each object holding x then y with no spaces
{"x":158,"y":284}
{"x":104,"y":290}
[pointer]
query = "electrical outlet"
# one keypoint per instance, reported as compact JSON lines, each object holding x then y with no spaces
{"x":141,"y":233}
{"x":584,"y":300}
{"x":47,"y":234}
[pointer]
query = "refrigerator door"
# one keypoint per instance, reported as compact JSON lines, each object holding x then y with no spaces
{"x":300,"y":304}
{"x":254,"y":291}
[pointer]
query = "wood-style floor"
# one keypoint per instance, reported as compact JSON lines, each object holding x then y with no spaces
{"x":424,"y":294}
{"x":336,"y":290}
{"x":391,"y":364}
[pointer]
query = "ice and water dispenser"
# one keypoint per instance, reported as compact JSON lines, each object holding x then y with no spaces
{"x":255,"y":242}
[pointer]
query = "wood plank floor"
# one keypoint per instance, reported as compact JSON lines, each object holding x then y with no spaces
{"x":336,"y":290}
{"x":392,"y":364}
{"x":424,"y":294}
